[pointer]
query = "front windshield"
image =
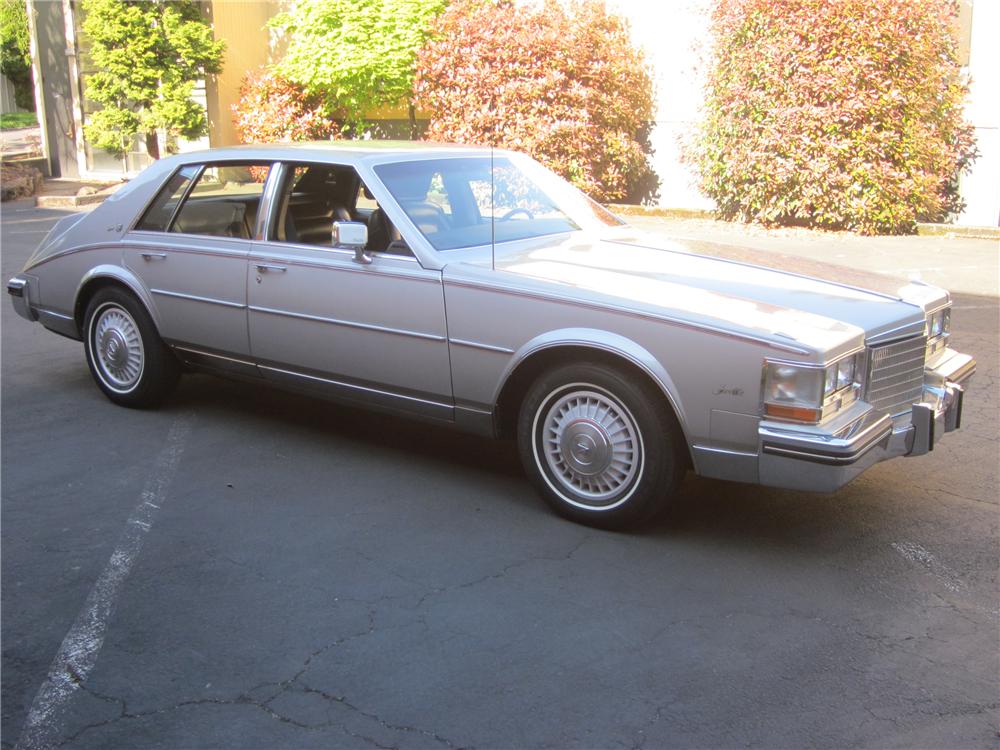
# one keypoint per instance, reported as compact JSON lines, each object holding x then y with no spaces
{"x":475,"y":200}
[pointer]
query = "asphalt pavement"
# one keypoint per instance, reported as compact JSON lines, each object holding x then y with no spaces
{"x":251,"y":569}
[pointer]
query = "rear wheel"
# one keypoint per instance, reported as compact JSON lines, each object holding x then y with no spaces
{"x":126,"y":356}
{"x":602,"y":448}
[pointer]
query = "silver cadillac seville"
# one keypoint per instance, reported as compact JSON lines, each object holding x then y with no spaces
{"x":473,"y":288}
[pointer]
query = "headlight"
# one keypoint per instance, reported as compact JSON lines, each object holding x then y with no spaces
{"x":938,"y":328}
{"x":939,"y":323}
{"x":936,"y":325}
{"x":806,"y":393}
{"x":793,"y":391}
{"x":846,"y":371}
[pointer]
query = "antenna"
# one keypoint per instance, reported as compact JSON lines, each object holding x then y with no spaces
{"x":493,"y":217}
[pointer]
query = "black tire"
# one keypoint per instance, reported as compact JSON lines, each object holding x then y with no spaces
{"x":126,"y":356}
{"x":602,"y":447}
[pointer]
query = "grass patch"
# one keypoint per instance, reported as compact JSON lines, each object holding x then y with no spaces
{"x":12,"y":120}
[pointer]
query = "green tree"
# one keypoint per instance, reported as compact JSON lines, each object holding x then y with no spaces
{"x":149,"y":54}
{"x":355,"y":54}
{"x":15,"y":57}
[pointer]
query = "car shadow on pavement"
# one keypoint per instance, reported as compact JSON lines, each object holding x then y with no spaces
{"x":880,"y":502}
{"x":320,"y":420}
{"x":742,"y":514}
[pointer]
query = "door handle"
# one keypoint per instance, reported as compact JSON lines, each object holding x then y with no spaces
{"x":154,"y":256}
{"x":270,"y":267}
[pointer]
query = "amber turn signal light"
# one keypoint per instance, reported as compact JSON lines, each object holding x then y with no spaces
{"x":794,"y":413}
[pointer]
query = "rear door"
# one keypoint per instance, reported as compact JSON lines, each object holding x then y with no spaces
{"x":190,"y":249}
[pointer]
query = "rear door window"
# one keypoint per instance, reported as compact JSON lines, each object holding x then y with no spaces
{"x":224,"y":202}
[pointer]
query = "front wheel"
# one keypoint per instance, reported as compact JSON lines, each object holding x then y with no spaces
{"x":601,"y":447}
{"x":129,"y":361}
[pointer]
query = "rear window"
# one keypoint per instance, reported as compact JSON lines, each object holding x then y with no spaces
{"x":158,"y":215}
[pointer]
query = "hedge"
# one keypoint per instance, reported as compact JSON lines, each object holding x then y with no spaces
{"x":842,"y":114}
{"x":560,"y":81}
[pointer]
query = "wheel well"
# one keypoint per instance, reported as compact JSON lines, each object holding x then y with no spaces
{"x":517,"y":385}
{"x":86,"y":294}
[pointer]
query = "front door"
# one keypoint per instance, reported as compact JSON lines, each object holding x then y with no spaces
{"x":372,"y":333}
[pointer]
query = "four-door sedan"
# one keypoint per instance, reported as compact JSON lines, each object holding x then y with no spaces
{"x":473,"y":288}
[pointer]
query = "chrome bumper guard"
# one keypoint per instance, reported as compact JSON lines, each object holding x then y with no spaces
{"x":812,"y":461}
{"x":19,"y":290}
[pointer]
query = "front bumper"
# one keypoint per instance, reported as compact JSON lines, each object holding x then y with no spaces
{"x":826,"y":462}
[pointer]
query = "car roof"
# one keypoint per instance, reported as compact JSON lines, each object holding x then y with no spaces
{"x":353,"y":151}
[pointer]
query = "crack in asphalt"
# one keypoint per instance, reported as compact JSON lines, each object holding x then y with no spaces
{"x":291,"y":683}
{"x":883,"y":642}
{"x":283,"y":686}
{"x":341,"y":700}
{"x":951,"y":493}
{"x":296,"y":682}
{"x":438,"y":590}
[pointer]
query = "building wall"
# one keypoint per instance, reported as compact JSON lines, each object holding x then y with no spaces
{"x":981,"y":188}
{"x":55,"y":87}
{"x":670,"y":34}
{"x":249,"y":45}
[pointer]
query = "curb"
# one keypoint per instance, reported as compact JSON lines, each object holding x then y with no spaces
{"x":670,"y":213}
{"x":951,"y":230}
{"x":923,"y":229}
{"x":68,"y":201}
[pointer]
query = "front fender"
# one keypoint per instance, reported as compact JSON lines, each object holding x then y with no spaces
{"x":603,"y":341}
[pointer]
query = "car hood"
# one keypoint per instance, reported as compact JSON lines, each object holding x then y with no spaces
{"x":821,"y":307}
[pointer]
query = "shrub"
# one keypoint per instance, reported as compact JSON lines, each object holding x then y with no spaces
{"x":356,"y":55}
{"x":561,"y":82}
{"x":834,"y":113}
{"x":272,"y":109}
{"x":18,"y":181}
{"x":15,"y":56}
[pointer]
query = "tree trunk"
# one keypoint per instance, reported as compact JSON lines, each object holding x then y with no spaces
{"x":153,"y":145}
{"x":413,"y":122}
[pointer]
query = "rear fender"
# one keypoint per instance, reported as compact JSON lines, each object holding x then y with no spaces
{"x":117,"y":274}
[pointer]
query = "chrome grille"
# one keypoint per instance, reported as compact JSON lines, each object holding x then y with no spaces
{"x":896,"y":375}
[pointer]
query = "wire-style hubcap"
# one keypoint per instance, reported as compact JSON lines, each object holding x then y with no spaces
{"x":591,"y":445}
{"x":118,"y":346}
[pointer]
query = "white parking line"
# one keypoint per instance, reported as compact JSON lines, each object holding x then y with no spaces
{"x":80,"y":648}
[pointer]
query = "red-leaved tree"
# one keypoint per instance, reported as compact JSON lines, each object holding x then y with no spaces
{"x":834,"y":113}
{"x":560,"y":81}
{"x":271,"y":109}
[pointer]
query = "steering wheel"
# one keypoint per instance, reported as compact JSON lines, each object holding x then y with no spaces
{"x":513,"y":211}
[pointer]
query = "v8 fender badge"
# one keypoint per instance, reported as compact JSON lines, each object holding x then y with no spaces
{"x":727,"y":391}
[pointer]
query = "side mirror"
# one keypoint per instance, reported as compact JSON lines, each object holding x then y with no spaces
{"x":352,"y":235}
